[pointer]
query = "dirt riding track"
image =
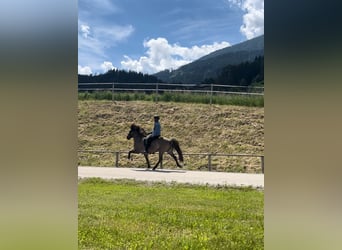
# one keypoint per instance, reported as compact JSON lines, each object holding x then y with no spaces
{"x":168,"y":175}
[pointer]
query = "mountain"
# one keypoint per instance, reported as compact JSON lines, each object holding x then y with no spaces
{"x":211,"y":65}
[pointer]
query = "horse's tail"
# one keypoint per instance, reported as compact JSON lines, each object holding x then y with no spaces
{"x":175,"y":144}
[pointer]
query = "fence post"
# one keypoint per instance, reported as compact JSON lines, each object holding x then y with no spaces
{"x":117,"y":159}
{"x":157,"y":93}
{"x":262,"y":163}
{"x":209,"y":161}
{"x":113,"y":92}
{"x":211,"y":93}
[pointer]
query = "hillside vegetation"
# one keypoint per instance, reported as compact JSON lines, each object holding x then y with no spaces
{"x":239,"y":100}
{"x":116,"y":75}
{"x":200,"y":128}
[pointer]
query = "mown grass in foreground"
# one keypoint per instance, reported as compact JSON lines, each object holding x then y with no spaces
{"x":237,"y":100}
{"x":125,"y":214}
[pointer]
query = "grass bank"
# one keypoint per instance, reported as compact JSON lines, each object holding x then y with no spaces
{"x":138,"y":215}
{"x":238,"y":100}
{"x":199,"y":128}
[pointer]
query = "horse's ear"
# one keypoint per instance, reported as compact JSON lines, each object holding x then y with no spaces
{"x":132,"y":126}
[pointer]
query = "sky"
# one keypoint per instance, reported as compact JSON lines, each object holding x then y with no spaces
{"x":152,"y":35}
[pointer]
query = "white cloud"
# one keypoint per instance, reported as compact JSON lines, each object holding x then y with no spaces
{"x":112,"y":33}
{"x":86,"y":70}
{"x":106,"y":66}
{"x":85,"y":29}
{"x":253,"y":19}
{"x":161,"y":55}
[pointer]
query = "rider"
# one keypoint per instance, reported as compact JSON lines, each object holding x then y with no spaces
{"x":154,"y":134}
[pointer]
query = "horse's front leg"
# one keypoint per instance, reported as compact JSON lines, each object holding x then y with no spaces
{"x":129,"y":154}
{"x":147,"y":160}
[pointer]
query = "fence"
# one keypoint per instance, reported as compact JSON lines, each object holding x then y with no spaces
{"x":209,"y":155}
{"x":159,"y":88}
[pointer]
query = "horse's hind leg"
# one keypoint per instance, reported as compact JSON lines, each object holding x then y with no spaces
{"x":159,"y":160}
{"x":175,"y":158}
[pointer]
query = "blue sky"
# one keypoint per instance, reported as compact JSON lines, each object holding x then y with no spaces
{"x":153,"y":35}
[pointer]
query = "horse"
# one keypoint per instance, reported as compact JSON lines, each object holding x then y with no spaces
{"x":160,"y":145}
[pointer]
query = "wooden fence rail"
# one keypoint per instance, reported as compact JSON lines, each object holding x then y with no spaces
{"x":158,"y":88}
{"x":209,"y":156}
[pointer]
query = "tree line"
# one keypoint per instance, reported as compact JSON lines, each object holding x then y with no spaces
{"x":116,"y":75}
{"x":243,"y":74}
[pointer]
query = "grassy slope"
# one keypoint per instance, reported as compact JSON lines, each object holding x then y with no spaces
{"x":199,"y":128}
{"x":136,"y":215}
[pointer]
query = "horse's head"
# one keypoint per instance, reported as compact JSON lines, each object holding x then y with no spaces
{"x":130,"y":133}
{"x":135,"y":131}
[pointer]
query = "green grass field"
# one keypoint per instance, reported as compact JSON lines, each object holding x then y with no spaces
{"x":124,"y":214}
{"x":238,"y":100}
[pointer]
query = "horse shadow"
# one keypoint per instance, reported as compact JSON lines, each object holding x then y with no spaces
{"x":166,"y":171}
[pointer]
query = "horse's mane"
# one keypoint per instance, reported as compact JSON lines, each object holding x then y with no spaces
{"x":139,"y":129}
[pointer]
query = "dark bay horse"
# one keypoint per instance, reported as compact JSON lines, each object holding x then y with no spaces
{"x":160,"y":145}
